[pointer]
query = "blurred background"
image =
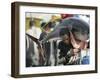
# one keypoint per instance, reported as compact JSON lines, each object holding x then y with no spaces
{"x":39,"y":18}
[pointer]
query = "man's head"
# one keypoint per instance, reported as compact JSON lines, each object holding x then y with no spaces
{"x":46,"y":26}
{"x":65,"y":35}
{"x":66,"y":39}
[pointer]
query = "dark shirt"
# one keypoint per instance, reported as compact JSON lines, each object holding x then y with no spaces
{"x":42,"y":35}
{"x":46,"y":47}
{"x":64,"y":48}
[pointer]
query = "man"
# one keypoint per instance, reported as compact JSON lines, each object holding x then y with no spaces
{"x":69,"y":49}
{"x":46,"y":29}
{"x":83,"y":46}
{"x":64,"y":45}
{"x":46,"y":46}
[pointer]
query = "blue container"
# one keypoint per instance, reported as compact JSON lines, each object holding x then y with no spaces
{"x":85,"y":60}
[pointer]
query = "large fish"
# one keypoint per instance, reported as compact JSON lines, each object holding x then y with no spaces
{"x":78,"y":27}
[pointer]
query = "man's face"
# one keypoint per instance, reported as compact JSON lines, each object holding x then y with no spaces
{"x":66,"y":39}
{"x":81,"y":36}
{"x":47,"y":29}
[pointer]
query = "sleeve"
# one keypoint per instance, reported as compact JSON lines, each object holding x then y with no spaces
{"x":42,"y":35}
{"x":59,"y":45}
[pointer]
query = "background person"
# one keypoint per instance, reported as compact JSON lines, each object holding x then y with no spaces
{"x":33,"y":30}
{"x":46,"y":45}
{"x":64,"y":45}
